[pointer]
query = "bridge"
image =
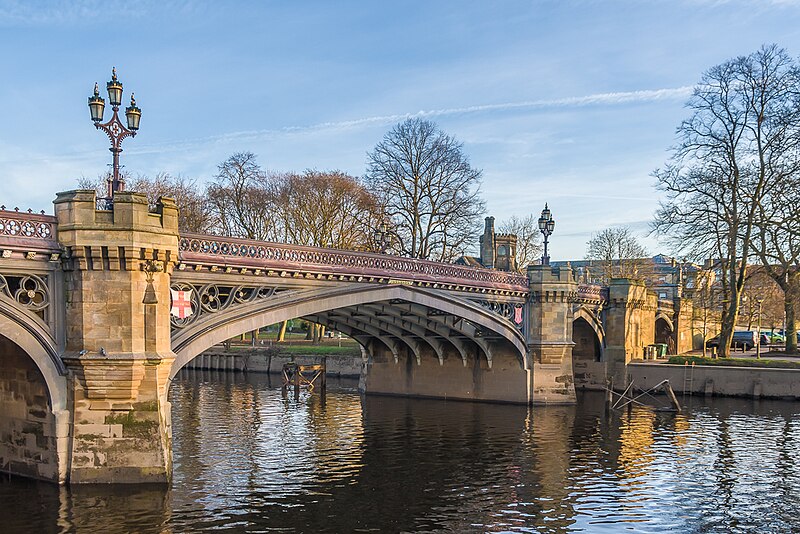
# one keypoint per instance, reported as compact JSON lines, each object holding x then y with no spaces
{"x":88,"y":346}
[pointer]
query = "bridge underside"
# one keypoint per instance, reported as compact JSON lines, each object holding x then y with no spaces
{"x":417,"y":341}
{"x":420,"y":351}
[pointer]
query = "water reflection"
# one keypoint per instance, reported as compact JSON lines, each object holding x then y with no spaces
{"x":248,"y":459}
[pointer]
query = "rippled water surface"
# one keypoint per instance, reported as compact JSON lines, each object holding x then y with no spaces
{"x":249,"y":460}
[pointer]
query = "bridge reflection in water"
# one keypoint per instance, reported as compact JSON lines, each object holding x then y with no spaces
{"x":247,"y":459}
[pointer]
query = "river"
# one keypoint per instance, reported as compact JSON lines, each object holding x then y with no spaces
{"x":246,"y":459}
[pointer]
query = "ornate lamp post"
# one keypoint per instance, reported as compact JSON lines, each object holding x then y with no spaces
{"x":546,"y":226}
{"x":114,"y":128}
{"x":382,"y":237}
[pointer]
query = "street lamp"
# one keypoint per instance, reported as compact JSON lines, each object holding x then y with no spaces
{"x":382,"y":237}
{"x":114,"y":128}
{"x":546,"y":226}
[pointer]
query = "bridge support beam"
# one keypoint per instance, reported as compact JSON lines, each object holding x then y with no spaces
{"x":118,"y":351}
{"x":550,"y":375}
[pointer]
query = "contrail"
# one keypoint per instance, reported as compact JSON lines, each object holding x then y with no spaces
{"x":614,"y":98}
{"x":611,"y":99}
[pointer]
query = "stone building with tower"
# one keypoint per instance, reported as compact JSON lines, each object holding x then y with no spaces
{"x":498,"y":251}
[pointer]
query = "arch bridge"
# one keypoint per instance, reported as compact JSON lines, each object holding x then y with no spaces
{"x":88,"y":345}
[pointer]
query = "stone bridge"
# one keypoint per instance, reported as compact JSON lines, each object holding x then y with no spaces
{"x":88,"y":346}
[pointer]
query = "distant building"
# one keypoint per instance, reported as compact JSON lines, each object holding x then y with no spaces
{"x":498,"y":251}
{"x":664,"y":275}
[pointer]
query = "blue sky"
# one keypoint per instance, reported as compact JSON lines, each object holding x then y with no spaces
{"x":573,"y":103}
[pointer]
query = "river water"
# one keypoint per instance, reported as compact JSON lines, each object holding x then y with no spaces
{"x":249,"y":460}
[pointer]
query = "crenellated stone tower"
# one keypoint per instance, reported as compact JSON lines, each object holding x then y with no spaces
{"x":117,"y":265}
{"x":629,"y":326}
{"x":552,"y":291}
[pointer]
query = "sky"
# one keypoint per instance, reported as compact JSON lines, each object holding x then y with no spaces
{"x":571,"y":102}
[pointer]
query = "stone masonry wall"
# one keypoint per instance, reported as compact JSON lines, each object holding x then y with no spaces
{"x":27,"y":437}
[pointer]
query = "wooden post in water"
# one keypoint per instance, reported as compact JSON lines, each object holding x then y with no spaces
{"x":296,"y":382}
{"x":324,"y":380}
{"x":609,"y":393}
{"x":671,"y":394}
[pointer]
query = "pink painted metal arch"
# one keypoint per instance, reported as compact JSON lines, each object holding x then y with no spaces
{"x":198,"y":248}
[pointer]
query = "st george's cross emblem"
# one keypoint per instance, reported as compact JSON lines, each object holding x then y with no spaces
{"x":181,"y":303}
{"x":518,"y":315}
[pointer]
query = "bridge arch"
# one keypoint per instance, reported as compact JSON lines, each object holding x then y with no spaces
{"x":26,"y":332}
{"x":593,"y":321}
{"x":30,"y":366}
{"x":207,"y":332}
{"x":664,"y":328}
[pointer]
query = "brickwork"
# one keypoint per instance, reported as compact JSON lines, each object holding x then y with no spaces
{"x":629,"y":326}
{"x":505,"y":381}
{"x":27,"y":425}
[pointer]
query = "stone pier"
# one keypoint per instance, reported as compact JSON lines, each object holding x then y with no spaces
{"x":117,"y":337}
{"x":551,"y":378}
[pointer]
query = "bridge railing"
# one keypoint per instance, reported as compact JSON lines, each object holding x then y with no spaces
{"x":591,"y":292}
{"x":198,"y":248}
{"x":28,"y":231}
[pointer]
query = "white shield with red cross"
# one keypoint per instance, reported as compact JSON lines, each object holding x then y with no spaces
{"x":181,"y":303}
{"x":518,"y":315}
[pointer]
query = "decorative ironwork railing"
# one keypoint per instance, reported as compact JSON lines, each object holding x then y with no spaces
{"x":591,"y":291}
{"x":28,"y":233}
{"x":27,"y":224}
{"x":31,"y":292}
{"x":259,"y":254}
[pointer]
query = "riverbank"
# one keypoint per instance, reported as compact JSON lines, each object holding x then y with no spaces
{"x":341,"y":363}
{"x":749,"y":382}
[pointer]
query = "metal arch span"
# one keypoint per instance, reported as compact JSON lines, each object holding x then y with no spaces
{"x":194,"y":339}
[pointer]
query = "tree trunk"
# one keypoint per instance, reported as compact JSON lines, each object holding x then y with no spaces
{"x":282,"y":332}
{"x":790,"y":299}
{"x":317,"y":334}
{"x":728,"y":326}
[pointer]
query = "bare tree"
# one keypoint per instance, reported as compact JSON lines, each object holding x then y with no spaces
{"x":777,"y":245}
{"x":242,"y":198}
{"x":738,"y":146}
{"x":762,"y":297}
{"x":529,"y":247}
{"x":705,"y":298}
{"x":618,"y":252}
{"x":326,"y":209}
{"x":428,"y":190}
{"x":194,"y":210}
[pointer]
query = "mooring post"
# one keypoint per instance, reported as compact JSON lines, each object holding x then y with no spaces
{"x":324,"y":378}
{"x":671,"y":394}
{"x":609,"y":393}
